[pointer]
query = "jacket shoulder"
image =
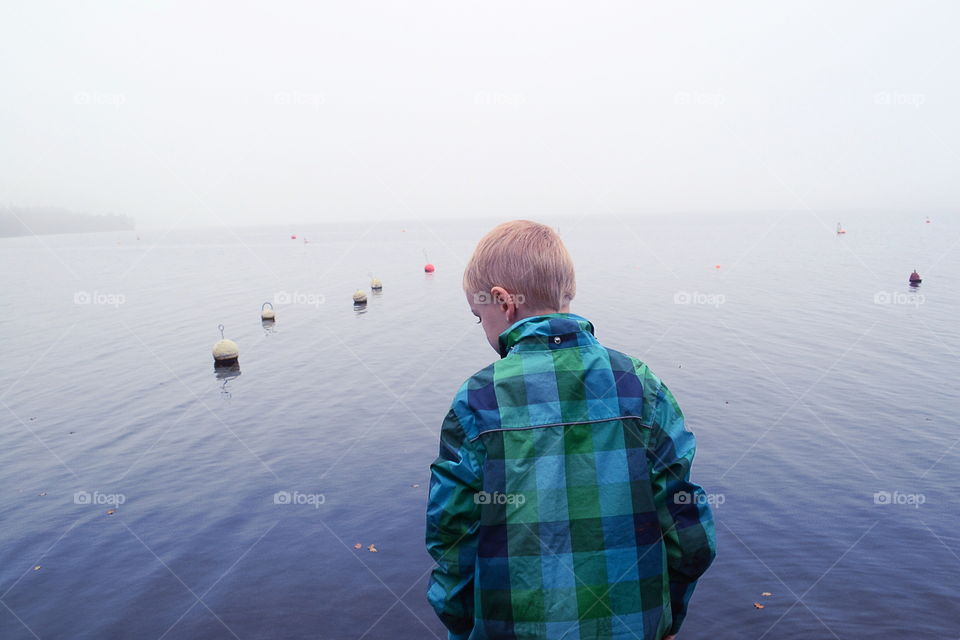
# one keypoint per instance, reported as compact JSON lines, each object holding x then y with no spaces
{"x":639,"y":383}
{"x":475,"y":398}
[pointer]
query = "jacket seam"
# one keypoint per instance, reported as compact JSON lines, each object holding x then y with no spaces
{"x":559,"y":424}
{"x":513,"y":348}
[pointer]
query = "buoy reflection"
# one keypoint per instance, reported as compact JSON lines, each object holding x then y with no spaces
{"x":225,"y":373}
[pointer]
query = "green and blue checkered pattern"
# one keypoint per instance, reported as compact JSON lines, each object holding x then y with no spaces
{"x":561,"y":504}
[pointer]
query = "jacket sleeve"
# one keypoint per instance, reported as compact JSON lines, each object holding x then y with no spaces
{"x":453,"y":519}
{"x":685,"y":518}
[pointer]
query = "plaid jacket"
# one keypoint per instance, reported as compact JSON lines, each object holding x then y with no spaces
{"x":560,"y":503}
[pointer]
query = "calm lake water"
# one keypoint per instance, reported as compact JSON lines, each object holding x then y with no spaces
{"x":823,"y":391}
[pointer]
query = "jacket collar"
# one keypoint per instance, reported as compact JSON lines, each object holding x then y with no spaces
{"x":552,"y":330}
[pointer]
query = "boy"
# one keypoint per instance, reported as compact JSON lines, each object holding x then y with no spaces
{"x":560,"y":503}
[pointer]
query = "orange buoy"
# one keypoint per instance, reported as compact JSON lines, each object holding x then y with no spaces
{"x":428,"y":268}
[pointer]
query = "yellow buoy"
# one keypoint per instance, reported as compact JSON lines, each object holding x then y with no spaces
{"x":359,"y":297}
{"x":375,"y":284}
{"x":225,"y":352}
{"x":266,"y":312}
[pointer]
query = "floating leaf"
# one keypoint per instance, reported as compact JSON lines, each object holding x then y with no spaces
{"x":357,"y":546}
{"x":110,"y":512}
{"x":415,"y":486}
{"x":372,"y":549}
{"x":758,"y":605}
{"x":766,"y":593}
{"x":36,"y":568}
{"x":42,"y":493}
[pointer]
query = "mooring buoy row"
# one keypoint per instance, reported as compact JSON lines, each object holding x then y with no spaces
{"x":226,"y":353}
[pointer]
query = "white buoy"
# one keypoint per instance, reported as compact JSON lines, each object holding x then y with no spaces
{"x":225,"y":352}
{"x":359,"y":297}
{"x":375,"y":284}
{"x":266,"y":312}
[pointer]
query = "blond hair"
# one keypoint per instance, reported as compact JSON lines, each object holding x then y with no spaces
{"x":527,"y":259}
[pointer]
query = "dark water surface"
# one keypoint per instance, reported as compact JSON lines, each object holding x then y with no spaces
{"x":823,"y":391}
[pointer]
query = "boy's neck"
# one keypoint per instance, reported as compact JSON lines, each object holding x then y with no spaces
{"x":530,"y":314}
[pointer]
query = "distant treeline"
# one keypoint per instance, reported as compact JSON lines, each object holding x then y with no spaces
{"x":26,"y":221}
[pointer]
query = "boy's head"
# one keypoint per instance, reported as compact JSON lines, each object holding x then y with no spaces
{"x":519,"y":269}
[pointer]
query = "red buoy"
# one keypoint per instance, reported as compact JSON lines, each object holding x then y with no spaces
{"x":293,"y":237}
{"x":915,"y":277}
{"x":428,"y":268}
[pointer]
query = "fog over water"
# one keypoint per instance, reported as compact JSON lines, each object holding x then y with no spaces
{"x":193,"y":114}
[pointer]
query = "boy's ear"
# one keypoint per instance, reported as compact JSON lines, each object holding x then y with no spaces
{"x":502,"y":298}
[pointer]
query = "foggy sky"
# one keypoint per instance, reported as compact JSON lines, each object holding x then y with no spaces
{"x":196,"y":113}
